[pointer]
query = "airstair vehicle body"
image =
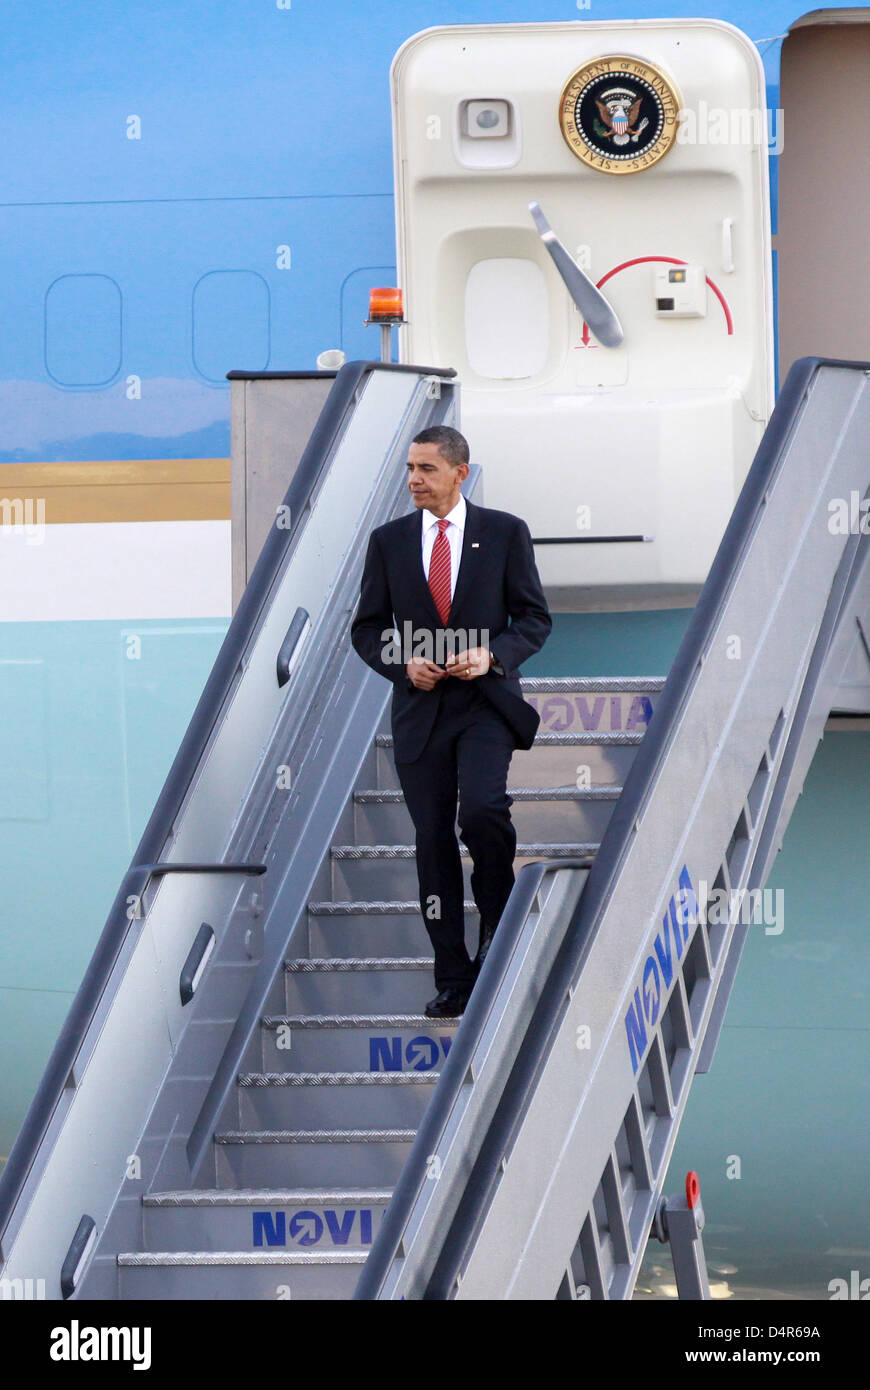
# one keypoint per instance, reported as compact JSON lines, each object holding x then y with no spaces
{"x":246,"y":1100}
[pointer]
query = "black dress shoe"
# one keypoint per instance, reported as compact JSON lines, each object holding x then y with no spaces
{"x":486,"y":935}
{"x":450,"y":1003}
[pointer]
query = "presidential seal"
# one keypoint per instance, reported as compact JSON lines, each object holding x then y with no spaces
{"x":619,"y":114}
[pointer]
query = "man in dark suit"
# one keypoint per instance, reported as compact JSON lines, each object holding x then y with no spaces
{"x":458,"y":711}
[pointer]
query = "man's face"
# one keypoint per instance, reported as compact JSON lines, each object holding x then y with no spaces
{"x":434,"y":482}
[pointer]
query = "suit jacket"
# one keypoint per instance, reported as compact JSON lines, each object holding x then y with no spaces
{"x":498,"y":593}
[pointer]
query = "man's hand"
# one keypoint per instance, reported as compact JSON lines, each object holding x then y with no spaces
{"x":425,"y":675}
{"x":468,"y":665}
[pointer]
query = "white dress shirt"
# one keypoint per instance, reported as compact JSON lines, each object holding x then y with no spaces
{"x":454,"y":533}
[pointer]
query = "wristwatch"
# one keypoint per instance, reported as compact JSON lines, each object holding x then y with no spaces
{"x":495,"y":665}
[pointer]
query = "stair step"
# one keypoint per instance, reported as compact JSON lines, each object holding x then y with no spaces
{"x":591,"y":684}
{"x":349,"y":984}
{"x":373,"y":909}
{"x":315,"y":1136}
{"x":394,"y":795}
{"x":585,"y":739}
{"x":381,"y":816}
{"x":297,"y":1080}
{"x":360,"y":927}
{"x":252,"y":1219}
{"x":365,"y":870}
{"x":590,"y":712}
{"x":241,"y":1274}
{"x":391,"y":1043}
{"x":549,"y":851}
{"x":284,"y":1100}
{"x":595,"y":705}
{"x":351,"y":1020}
{"x":552,"y":761}
{"x":255,"y":1158}
{"x":340,"y":964}
{"x":190,"y":1258}
{"x":266,"y":1196}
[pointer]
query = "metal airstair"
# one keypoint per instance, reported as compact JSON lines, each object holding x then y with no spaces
{"x":247,"y":1101}
{"x":341,"y":1073}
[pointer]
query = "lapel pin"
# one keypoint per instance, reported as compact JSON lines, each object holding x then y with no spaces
{"x":475,"y":545}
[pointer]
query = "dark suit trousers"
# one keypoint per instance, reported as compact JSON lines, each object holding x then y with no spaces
{"x":467,"y":756}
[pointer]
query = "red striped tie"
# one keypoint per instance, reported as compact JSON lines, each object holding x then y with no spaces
{"x":439,"y":571}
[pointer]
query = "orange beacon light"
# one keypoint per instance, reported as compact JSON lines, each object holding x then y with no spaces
{"x":385,"y":308}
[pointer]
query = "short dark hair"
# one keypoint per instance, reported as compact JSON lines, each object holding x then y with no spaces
{"x":452,"y":445}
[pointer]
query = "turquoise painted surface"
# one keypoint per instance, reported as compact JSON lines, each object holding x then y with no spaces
{"x":92,"y":714}
{"x":611,"y":644}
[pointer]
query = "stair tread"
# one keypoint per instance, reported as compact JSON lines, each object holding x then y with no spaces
{"x":607,"y":791}
{"x":254,"y":1079}
{"x":265,"y":1196}
{"x":554,"y":849}
{"x":134,"y":1259}
{"x":359,"y":907}
{"x":582,"y":685}
{"x":342,"y":964}
{"x":313,"y":1136}
{"x":585,"y":740}
{"x":355,"y":1020}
